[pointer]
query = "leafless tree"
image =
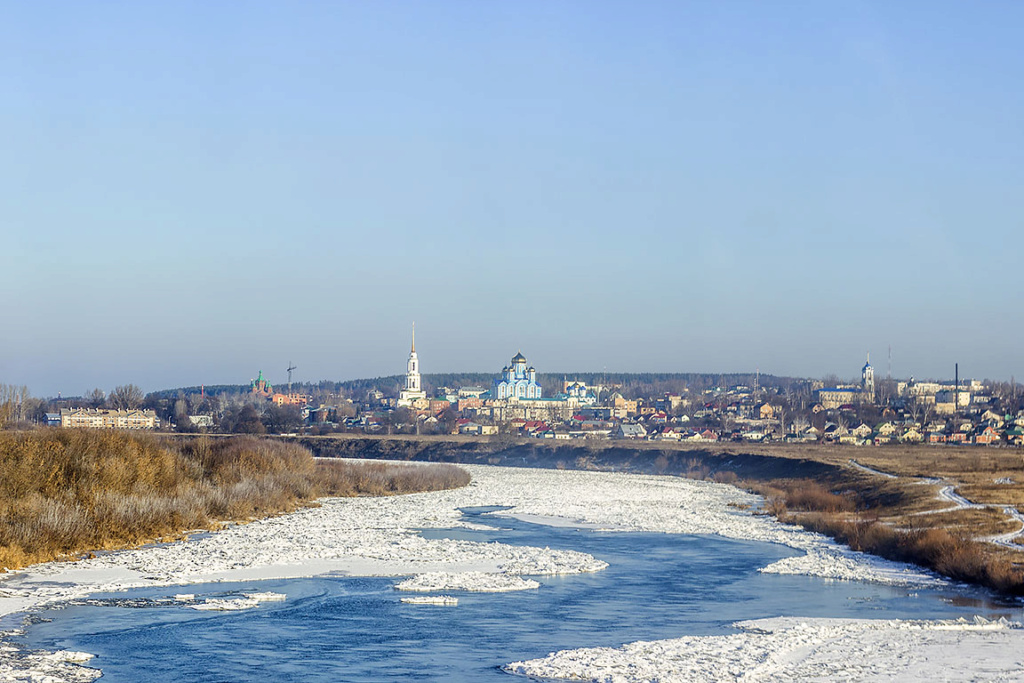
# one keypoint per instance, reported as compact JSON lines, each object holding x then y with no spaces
{"x":125,"y":397}
{"x":12,"y":403}
{"x":95,"y":398}
{"x":800,"y":424}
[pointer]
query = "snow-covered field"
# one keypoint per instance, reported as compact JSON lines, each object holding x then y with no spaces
{"x":377,"y":537}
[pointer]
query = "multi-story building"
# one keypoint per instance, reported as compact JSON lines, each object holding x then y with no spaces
{"x":108,"y":419}
{"x":834,"y":397}
{"x":948,"y":401}
{"x":532,"y":408}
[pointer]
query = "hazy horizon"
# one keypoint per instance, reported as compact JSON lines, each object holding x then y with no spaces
{"x":196,"y":192}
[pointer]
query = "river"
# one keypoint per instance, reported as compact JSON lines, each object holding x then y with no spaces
{"x":339,"y":628}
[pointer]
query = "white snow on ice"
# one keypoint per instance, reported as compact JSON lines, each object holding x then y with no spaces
{"x":447,"y":600}
{"x":480,"y":582}
{"x":378,"y":537}
{"x":226,"y":605}
{"x":793,"y":649}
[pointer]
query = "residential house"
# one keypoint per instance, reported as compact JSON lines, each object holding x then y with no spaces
{"x":630,"y":431}
{"x":987,"y":435}
{"x":708,"y":435}
{"x":476,"y":429}
{"x":911,"y":436}
{"x":994,"y":419}
{"x":886,"y":429}
{"x":862,"y":431}
{"x":622,"y":406}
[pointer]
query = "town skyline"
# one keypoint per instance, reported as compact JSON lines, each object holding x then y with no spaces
{"x":849,"y":373}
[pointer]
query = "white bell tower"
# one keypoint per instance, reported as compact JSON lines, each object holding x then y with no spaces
{"x":867,"y":379}
{"x":412,"y":390}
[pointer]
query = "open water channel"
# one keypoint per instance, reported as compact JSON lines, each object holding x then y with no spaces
{"x":355,"y":629}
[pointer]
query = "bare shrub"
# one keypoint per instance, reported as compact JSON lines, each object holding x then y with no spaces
{"x":810,"y":495}
{"x":725,"y":477}
{"x":776,"y":506}
{"x":951,"y":554}
{"x":346,"y":478}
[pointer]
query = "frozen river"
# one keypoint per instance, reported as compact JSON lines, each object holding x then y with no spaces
{"x":619,"y":577}
{"x":355,"y":629}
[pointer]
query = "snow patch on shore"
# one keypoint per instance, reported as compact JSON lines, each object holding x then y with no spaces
{"x":791,"y":649}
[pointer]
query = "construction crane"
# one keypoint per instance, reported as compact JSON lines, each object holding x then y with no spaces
{"x":290,"y":368}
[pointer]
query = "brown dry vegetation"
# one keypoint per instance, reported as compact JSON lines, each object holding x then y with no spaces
{"x":944,"y":542}
{"x":901,"y":519}
{"x":64,"y":492}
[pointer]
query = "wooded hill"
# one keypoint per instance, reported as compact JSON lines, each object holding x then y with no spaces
{"x":630,"y":384}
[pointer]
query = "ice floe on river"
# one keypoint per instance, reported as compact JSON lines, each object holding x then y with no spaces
{"x":380,"y":537}
{"x":792,"y":649}
{"x":64,"y":666}
{"x":479,"y":582}
{"x":447,"y":600}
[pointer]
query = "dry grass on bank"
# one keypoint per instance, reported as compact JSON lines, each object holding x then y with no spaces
{"x":64,"y":492}
{"x":980,"y":472}
{"x":902,"y":519}
{"x":346,"y":478}
{"x":944,"y":542}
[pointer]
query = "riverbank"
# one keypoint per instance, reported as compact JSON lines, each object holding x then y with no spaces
{"x":378,"y":537}
{"x":65,"y":492}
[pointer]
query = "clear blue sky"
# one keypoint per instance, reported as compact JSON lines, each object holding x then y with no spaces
{"x":193,"y":192}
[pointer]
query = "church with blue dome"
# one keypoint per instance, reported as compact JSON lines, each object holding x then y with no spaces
{"x":517,"y":380}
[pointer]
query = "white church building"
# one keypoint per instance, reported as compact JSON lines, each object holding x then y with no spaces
{"x":517,"y":381}
{"x":412,"y":391}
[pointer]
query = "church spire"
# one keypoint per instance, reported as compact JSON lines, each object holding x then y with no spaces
{"x":414,"y":337}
